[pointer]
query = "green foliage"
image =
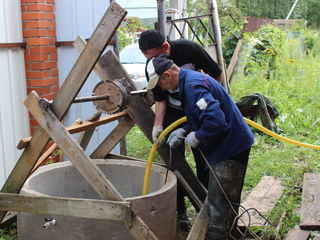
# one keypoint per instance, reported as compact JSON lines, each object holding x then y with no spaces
{"x":264,"y":50}
{"x":138,"y":146}
{"x":279,"y":9}
{"x":8,"y":234}
{"x":311,"y":42}
{"x":293,"y":86}
{"x":231,"y":23}
{"x":128,"y":30}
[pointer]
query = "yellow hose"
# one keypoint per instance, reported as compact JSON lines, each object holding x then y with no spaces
{"x":184,"y":119}
{"x":153,"y":151}
{"x":277,"y":136}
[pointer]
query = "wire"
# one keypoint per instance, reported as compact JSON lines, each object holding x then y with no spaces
{"x":225,"y":195}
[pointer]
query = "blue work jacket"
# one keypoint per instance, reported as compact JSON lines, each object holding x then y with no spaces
{"x":213,"y":115}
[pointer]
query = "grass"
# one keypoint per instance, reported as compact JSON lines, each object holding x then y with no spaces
{"x":294,"y":87}
{"x":8,"y":234}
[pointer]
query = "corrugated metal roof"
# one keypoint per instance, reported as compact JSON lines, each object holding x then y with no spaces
{"x":140,"y":8}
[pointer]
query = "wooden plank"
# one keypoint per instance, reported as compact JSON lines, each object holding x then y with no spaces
{"x":113,"y":138}
{"x":310,"y":204}
{"x":91,"y":173}
{"x":44,"y":156}
{"x":48,"y":153}
{"x":70,"y":88}
{"x":200,"y":225}
{"x":71,"y":43}
{"x":263,"y":198}
{"x":72,"y":207}
{"x":80,"y":44}
{"x":86,"y":136}
{"x":189,"y":190}
{"x":83,"y":126}
{"x":234,"y":60}
{"x":143,"y":116}
{"x":297,"y":234}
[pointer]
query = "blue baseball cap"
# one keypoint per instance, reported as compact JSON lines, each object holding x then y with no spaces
{"x":155,"y":67}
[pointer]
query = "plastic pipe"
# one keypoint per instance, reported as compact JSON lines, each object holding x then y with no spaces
{"x":184,"y":119}
{"x":153,"y":151}
{"x":277,"y":136}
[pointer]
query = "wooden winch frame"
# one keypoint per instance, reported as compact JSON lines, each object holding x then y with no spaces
{"x":138,"y":112}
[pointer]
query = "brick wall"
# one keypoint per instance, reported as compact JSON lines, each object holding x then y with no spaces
{"x":39,"y":32}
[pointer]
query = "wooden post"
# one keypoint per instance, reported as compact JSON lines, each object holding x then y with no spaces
{"x":86,"y":136}
{"x":200,"y":225}
{"x":217,"y":34}
{"x":70,"y":88}
{"x":82,"y":127}
{"x":113,"y":138}
{"x":72,"y":207}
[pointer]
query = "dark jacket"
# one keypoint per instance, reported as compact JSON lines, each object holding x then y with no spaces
{"x":214,"y":117}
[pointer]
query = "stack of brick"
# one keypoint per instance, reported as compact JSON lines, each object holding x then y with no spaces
{"x":39,"y":32}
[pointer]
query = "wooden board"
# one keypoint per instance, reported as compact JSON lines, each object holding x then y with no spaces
{"x":113,"y":138}
{"x":82,"y":126}
{"x":189,"y":190}
{"x":234,"y":60}
{"x":73,"y":207}
{"x":200,"y":226}
{"x":263,"y":198}
{"x":310,"y":204}
{"x":70,"y":88}
{"x":85,"y":137}
{"x":297,"y":234}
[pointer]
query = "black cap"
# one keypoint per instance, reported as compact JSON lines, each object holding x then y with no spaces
{"x":155,"y":67}
{"x":150,"y":39}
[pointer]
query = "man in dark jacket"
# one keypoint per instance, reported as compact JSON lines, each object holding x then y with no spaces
{"x":167,"y":102}
{"x":217,"y":128}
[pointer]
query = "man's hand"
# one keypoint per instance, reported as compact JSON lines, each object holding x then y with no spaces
{"x":156,"y":131}
{"x":192,"y":140}
{"x":176,"y":137}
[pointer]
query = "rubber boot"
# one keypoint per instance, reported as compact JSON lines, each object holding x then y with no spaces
{"x":223,"y":220}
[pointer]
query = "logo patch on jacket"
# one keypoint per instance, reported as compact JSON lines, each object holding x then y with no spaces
{"x":202,"y":104}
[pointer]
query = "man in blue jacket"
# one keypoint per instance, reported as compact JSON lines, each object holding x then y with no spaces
{"x":168,"y":109}
{"x":217,"y":128}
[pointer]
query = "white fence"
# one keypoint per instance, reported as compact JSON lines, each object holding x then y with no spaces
{"x":79,"y":18}
{"x":13,"y":114}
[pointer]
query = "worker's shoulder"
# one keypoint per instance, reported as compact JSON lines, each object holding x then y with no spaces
{"x":193,"y":78}
{"x":183,"y":43}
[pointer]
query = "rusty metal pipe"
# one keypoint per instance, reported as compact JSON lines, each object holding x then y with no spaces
{"x":45,"y":103}
{"x":91,"y":98}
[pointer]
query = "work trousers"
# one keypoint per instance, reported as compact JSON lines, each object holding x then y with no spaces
{"x":173,"y":114}
{"x":228,"y":175}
